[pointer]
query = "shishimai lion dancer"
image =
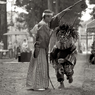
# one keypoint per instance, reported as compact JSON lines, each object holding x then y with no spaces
{"x":63,"y":54}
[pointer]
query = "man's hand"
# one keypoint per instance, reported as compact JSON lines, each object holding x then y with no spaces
{"x":36,"y":52}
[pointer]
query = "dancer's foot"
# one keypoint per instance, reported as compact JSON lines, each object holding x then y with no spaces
{"x":47,"y":89}
{"x":61,"y":85}
{"x":70,"y":79}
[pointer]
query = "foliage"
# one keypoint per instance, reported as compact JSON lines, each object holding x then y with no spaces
{"x":34,"y":10}
{"x":73,"y":16}
{"x":36,"y":7}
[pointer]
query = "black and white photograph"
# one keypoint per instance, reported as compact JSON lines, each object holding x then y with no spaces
{"x":47,"y":47}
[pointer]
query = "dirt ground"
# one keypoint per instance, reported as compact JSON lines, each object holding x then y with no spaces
{"x":13,"y":78}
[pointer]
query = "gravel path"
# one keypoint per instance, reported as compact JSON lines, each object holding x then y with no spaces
{"x":13,"y":78}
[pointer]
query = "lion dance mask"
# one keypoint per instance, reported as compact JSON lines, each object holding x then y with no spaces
{"x":63,"y":54}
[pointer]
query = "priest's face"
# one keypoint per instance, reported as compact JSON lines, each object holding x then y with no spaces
{"x":48,"y":18}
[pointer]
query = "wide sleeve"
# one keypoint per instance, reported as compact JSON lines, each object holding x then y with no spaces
{"x":38,"y":37}
{"x":56,"y":19}
{"x":54,"y":22}
{"x":34,"y":29}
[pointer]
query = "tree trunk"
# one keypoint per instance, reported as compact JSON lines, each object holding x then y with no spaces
{"x":57,"y":6}
{"x":3,"y":24}
{"x":50,"y":4}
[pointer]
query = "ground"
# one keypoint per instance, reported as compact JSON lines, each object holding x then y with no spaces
{"x":13,"y":78}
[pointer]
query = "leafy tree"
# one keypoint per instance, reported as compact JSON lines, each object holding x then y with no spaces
{"x":36,"y":7}
{"x":73,"y":16}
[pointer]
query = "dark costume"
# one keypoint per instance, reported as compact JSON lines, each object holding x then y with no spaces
{"x":92,"y":56}
{"x":63,"y":55}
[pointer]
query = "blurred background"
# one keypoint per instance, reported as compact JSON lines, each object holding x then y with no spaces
{"x":18,"y":17}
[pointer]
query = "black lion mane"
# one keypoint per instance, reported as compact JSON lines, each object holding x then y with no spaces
{"x":68,"y":29}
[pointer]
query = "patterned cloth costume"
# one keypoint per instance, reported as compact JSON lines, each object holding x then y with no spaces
{"x":92,"y":55}
{"x":63,"y":54}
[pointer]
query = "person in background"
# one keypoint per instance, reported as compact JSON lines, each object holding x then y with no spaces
{"x":19,"y":53}
{"x":24,"y":51}
{"x":1,"y":48}
{"x":10,"y":48}
{"x":24,"y":46}
{"x":92,"y":55}
{"x":1,"y":45}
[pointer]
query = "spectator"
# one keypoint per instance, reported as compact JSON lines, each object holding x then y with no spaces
{"x":24,"y":51}
{"x":1,"y":45}
{"x":10,"y":48}
{"x":24,"y":46}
